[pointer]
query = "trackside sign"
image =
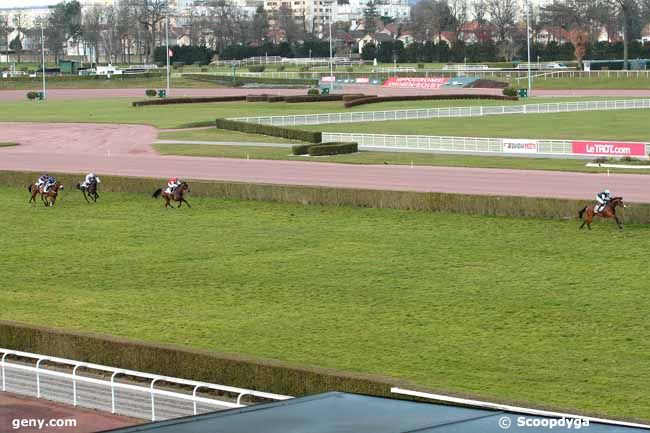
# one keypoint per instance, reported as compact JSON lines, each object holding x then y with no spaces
{"x":519,"y":146}
{"x":608,"y":148}
{"x":416,"y":82}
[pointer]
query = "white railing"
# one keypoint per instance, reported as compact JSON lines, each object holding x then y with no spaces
{"x":99,"y":389}
{"x":509,"y":408}
{"x":447,"y":144}
{"x":431,"y":113}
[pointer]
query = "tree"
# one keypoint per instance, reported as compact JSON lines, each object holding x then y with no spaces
{"x":63,"y":24}
{"x":287,"y":22}
{"x":17,"y":43}
{"x":260,"y":25}
{"x":5,"y":30}
{"x":370,"y":16}
{"x":431,"y":17}
{"x":502,"y":15}
{"x":627,"y":11}
{"x":150,"y":15}
{"x":91,"y":30}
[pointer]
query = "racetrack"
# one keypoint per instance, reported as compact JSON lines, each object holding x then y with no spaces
{"x":125,"y":150}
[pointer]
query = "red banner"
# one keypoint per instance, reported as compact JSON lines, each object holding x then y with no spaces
{"x":609,"y":148}
{"x":416,"y":82}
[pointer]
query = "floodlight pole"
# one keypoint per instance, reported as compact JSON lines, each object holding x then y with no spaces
{"x":331,"y":60}
{"x":530,"y":82}
{"x":167,"y":47}
{"x":43,"y":57}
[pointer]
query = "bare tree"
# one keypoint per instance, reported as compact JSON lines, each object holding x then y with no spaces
{"x":502,"y":15}
{"x":5,"y":29}
{"x":150,"y":15}
{"x":18,"y":25}
{"x":626,"y":11}
{"x":91,"y":30}
{"x":431,"y":17}
{"x":458,"y":11}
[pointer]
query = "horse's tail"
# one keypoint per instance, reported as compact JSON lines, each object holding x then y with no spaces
{"x":78,"y":186}
{"x":582,"y":211}
{"x":157,"y":193}
{"x":29,"y":188}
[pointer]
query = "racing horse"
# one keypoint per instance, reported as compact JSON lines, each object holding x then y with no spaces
{"x":49,"y":197}
{"x":178,"y":195}
{"x":609,"y":211}
{"x":89,"y":191}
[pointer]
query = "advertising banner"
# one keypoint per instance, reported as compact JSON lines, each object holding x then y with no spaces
{"x":362,"y":80}
{"x":608,"y":148}
{"x":519,"y":146}
{"x":416,"y":82}
{"x":328,"y":79}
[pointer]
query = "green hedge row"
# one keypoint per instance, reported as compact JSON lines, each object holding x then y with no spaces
{"x":214,"y":367}
{"x":63,"y":78}
{"x":320,"y":98}
{"x":239,"y":80}
{"x":189,"y":100}
{"x":324,"y":149}
{"x":257,"y":98}
{"x":378,"y":99}
{"x":301,"y":149}
{"x":274,"y":131}
{"x":482,"y":205}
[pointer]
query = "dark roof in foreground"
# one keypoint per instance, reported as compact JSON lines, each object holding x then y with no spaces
{"x":337,"y":412}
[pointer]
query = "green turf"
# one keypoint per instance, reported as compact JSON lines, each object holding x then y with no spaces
{"x":8,"y":144}
{"x":595,"y":82}
{"x":154,"y":83}
{"x":119,"y":110}
{"x":628,"y":125}
{"x":214,"y":134}
{"x":519,"y":309}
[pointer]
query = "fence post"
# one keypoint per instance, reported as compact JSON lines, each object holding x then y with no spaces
{"x":74,"y":385}
{"x":2,"y":365}
{"x":38,"y":378}
{"x":153,"y":403}
{"x":113,"y":390}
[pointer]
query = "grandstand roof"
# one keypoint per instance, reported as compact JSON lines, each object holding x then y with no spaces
{"x":337,"y":412}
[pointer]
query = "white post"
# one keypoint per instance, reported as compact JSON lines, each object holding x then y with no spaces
{"x":43,"y":53}
{"x":167,"y":47}
{"x":530,"y":83}
{"x":331,"y":60}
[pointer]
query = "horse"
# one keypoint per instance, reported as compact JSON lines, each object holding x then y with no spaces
{"x":49,"y":197}
{"x":609,"y":211}
{"x":91,"y":189}
{"x":178,"y":195}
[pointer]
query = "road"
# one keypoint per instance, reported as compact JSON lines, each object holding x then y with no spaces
{"x":125,"y":150}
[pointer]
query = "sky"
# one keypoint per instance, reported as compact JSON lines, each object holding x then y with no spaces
{"x":16,"y":3}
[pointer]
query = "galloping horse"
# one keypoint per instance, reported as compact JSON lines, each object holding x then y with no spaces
{"x":91,"y":189}
{"x":48,"y":197}
{"x":178,"y":195}
{"x":609,"y":211}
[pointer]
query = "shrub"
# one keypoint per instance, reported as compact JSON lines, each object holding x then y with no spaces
{"x":204,"y":69}
{"x":150,"y":93}
{"x":375,"y":100}
{"x":196,"y":100}
{"x":510,"y":91}
{"x":303,"y":69}
{"x":256,"y":68}
{"x":301,"y":149}
{"x":353,"y":96}
{"x":420,"y":65}
{"x":313,"y":91}
{"x":332,"y":149}
{"x":177,"y":65}
{"x":280,"y":68}
{"x":257,"y":98}
{"x":275,"y":98}
{"x":32,"y":95}
{"x":274,"y":131}
{"x":349,"y":69}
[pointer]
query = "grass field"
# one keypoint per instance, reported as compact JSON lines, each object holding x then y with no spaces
{"x":214,"y":134}
{"x":628,"y":125}
{"x":398,"y":158}
{"x":509,"y":308}
{"x":596,"y":82}
{"x":132,"y":83}
{"x":119,"y":110}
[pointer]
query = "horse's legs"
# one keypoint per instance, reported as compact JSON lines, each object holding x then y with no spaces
{"x":583,"y":224}
{"x":83,"y":191}
{"x":188,"y":205}
{"x":618,"y":222}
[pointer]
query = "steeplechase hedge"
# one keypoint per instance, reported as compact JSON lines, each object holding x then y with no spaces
{"x":301,"y":149}
{"x":325,"y":149}
{"x":378,"y":99}
{"x":188,"y":100}
{"x":257,"y":98}
{"x":319,"y":98}
{"x":273,"y":131}
{"x":481,"y":205}
{"x":239,"y":80}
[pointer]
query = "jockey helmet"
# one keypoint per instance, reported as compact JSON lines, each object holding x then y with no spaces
{"x":91,"y":174}
{"x":607,"y":192}
{"x":173,"y":179}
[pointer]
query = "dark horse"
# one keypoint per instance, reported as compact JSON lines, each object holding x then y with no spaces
{"x":609,"y":211}
{"x":48,"y":197}
{"x":89,"y":191}
{"x":178,"y":195}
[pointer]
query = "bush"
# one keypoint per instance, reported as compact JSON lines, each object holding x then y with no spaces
{"x":257,"y":98}
{"x":273,"y":131}
{"x":256,"y":68}
{"x":204,"y":69}
{"x":510,"y":91}
{"x":177,"y":65}
{"x":353,"y":96}
{"x":313,"y":91}
{"x":303,"y":69}
{"x":349,"y":69}
{"x":150,"y":93}
{"x":420,"y":65}
{"x":32,"y":95}
{"x":280,"y":68}
{"x":375,"y":100}
{"x":195,"y":100}
{"x":301,"y":149}
{"x":332,"y":149}
{"x":275,"y":98}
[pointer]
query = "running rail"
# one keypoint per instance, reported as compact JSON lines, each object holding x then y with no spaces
{"x":516,"y":409}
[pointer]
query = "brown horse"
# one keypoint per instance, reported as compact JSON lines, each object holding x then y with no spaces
{"x":89,"y":191}
{"x":609,"y":211}
{"x":48,"y":198}
{"x":178,"y":195}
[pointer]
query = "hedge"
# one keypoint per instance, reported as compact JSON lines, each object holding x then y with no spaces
{"x":275,"y":98}
{"x":301,"y":149}
{"x":332,"y":149}
{"x":355,"y":96}
{"x":62,"y":78}
{"x":239,"y":80}
{"x":319,"y":98}
{"x":274,"y":131}
{"x":192,"y":100}
{"x":257,"y":98}
{"x":481,"y":205}
{"x":378,"y":99}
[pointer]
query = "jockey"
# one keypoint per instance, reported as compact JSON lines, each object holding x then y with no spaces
{"x":90,"y":178}
{"x":172,"y":184}
{"x":41,"y":180}
{"x":46,"y":181}
{"x":603,"y":198}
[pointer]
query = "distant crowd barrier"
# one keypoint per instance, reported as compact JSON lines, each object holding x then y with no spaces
{"x":433,"y":113}
{"x":504,"y":146}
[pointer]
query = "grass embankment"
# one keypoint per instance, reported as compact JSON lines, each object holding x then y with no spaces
{"x":114,"y":83}
{"x":8,"y":144}
{"x":119,"y":110}
{"x":501,"y":307}
{"x":595,"y":82}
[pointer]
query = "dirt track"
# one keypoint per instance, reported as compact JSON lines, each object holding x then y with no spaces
{"x":125,"y":150}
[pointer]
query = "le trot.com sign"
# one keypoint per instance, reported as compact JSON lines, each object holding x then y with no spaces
{"x":608,"y":148}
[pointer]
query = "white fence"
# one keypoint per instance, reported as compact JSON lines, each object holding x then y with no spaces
{"x":442,"y":144}
{"x":97,"y":387}
{"x":432,"y":113}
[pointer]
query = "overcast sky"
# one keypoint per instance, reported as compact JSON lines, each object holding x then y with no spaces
{"x":16,"y":3}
